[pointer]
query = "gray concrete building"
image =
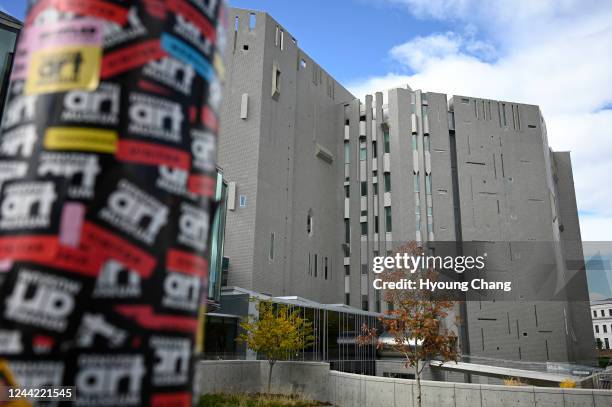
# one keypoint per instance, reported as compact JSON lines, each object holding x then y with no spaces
{"x":320,"y":182}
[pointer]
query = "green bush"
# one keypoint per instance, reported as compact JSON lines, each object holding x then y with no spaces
{"x":254,"y":400}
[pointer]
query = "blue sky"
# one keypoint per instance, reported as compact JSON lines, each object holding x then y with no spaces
{"x":556,"y":54}
{"x":321,"y":25}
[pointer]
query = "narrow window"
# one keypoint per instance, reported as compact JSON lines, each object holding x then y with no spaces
{"x":595,"y":314}
{"x":364,"y":269}
{"x":603,"y":314}
{"x":347,"y":153}
{"x":347,"y":298}
{"x":252,"y":21}
{"x":282,"y":40}
{"x":309,"y":224}
{"x":347,"y":191}
{"x":364,"y":188}
{"x":414,"y":142}
{"x":271,"y":254}
{"x":415,"y":177}
{"x":316,"y":264}
{"x":375,"y":188}
{"x":504,"y":121}
{"x":276,"y":36}
{"x":376,"y":224}
{"x":347,"y":231}
{"x":428,"y":184}
{"x":388,"y":218}
{"x":386,"y":141}
{"x":347,"y":270}
{"x":364,"y":302}
{"x":607,"y":343}
{"x":374,"y":150}
{"x":426,"y":143}
{"x":364,"y":228}
{"x":387,"y":182}
{"x":605,"y":328}
{"x":362,"y":151}
{"x":597,"y":329}
{"x":325,"y":269}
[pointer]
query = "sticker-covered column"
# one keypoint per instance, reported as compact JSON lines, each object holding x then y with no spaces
{"x":107,"y":169}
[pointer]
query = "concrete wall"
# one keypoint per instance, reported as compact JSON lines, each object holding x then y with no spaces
{"x":347,"y":389}
{"x":313,"y":380}
{"x":308,"y":379}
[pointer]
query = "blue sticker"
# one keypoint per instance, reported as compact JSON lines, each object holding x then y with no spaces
{"x":187,"y":54}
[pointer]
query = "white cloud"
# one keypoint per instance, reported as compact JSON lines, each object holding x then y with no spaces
{"x":556,"y":54}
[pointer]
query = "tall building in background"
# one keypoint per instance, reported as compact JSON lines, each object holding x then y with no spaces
{"x":320,"y":182}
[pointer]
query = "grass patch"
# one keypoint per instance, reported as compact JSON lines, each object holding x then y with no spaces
{"x":255,"y":400}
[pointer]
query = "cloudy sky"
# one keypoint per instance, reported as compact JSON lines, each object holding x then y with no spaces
{"x":554,"y":53}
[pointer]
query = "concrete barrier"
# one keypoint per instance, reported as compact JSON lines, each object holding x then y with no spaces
{"x":349,"y":390}
{"x":309,"y":380}
{"x":314,"y":380}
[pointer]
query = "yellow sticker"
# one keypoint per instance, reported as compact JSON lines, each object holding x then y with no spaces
{"x":64,"y":68}
{"x":81,"y":139}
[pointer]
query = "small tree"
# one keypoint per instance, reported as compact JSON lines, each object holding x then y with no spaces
{"x":414,"y":324}
{"x":276,"y":332}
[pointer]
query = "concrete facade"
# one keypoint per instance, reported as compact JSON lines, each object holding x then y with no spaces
{"x":321,"y":182}
{"x":601,"y":314}
{"x":315,"y":381}
{"x":279,"y":148}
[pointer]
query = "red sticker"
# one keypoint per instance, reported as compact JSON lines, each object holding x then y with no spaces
{"x":95,"y":238}
{"x":185,"y":262}
{"x":156,"y":8}
{"x":151,"y":87}
{"x":152,"y":154}
{"x":28,"y":248}
{"x":171,"y":400}
{"x":209,"y":118}
{"x":92,"y":8}
{"x":202,"y":185}
{"x":131,"y":57}
{"x":146,"y":318}
{"x":77,"y":261}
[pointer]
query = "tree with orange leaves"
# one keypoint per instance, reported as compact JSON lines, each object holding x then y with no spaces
{"x":415,"y":322}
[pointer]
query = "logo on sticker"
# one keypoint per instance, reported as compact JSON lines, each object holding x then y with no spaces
{"x":100,"y":106}
{"x":113,"y":380}
{"x":81,"y":169}
{"x":181,"y":291}
{"x":155,"y":117}
{"x":117,"y":281}
{"x":27,"y":205}
{"x":172,"y":354}
{"x":42,"y":300}
{"x":193,"y":227}
{"x":62,"y":69}
{"x":95,"y":326}
{"x":135,"y":212}
{"x":171,"y":72}
{"x":19,"y":141}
